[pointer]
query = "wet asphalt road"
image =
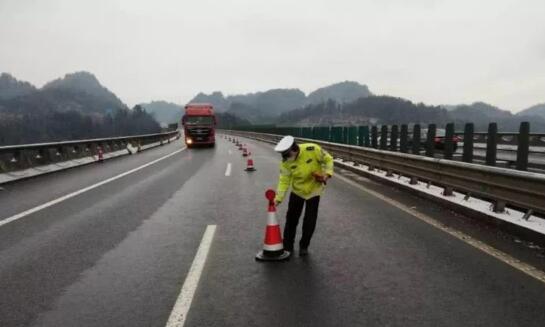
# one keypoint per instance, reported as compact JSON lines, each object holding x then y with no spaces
{"x":118,"y":254}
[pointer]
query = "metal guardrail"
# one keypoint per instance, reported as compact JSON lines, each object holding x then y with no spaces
{"x":504,"y":187}
{"x":511,"y":150}
{"x":534,"y":139}
{"x":18,"y":157}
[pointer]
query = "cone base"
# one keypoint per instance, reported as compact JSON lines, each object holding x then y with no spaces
{"x":260,"y":256}
{"x":250,"y":169}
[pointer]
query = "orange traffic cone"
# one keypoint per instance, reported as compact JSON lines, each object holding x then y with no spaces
{"x":244,"y":152}
{"x":273,"y":248}
{"x":250,"y":165}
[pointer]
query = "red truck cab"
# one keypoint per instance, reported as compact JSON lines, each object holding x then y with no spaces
{"x":199,"y":124}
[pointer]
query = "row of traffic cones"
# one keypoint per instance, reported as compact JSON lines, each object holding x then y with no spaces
{"x":245,"y":153}
{"x":273,"y":247}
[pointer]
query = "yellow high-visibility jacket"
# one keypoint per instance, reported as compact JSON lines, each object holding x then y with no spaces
{"x":297,"y":173}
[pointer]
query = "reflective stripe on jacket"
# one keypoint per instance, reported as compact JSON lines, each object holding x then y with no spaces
{"x":297,"y":173}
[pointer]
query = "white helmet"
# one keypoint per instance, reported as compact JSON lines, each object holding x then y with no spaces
{"x":285,"y":144}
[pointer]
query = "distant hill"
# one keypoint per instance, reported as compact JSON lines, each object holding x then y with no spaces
{"x":216,"y":98}
{"x":255,"y":107}
{"x":249,"y":112}
{"x":340,"y":92}
{"x":378,"y":110}
{"x":81,"y":87}
{"x":537,"y":110}
{"x":266,"y":106}
{"x":349,"y":103}
{"x":227,"y":120}
{"x":74,"y":107}
{"x":364,"y":111}
{"x":481,"y":114}
{"x":12,"y":88}
{"x":165,"y":113}
{"x":448,"y":107}
{"x":479,"y":111}
{"x":80,"y":92}
{"x":168,"y":113}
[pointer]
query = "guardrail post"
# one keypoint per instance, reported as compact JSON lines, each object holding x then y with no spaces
{"x":3,"y":166}
{"x":467,"y":156}
{"x":324,"y":133}
{"x":374,"y":137}
{"x":523,"y":147}
{"x":498,"y":206}
{"x":74,"y":152}
{"x":393,"y":138}
{"x":337,"y":134}
{"x":360,"y":136}
{"x":449,"y":141}
{"x":42,"y":157}
{"x":363,"y":136}
{"x":448,"y":191}
{"x":353,"y":135}
{"x":306,"y":132}
{"x":67,"y":152}
{"x":59,"y":154}
{"x":384,"y":137}
{"x":430,"y":141}
{"x":314,"y":132}
{"x":320,"y":133}
{"x":416,"y":139}
{"x":14,"y":161}
{"x":492,"y":144}
{"x":403,"y":138}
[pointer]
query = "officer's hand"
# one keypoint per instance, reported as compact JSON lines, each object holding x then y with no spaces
{"x":319,"y":177}
{"x":277,"y":203}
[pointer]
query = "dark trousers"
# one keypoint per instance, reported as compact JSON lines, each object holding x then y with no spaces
{"x":295,"y":207}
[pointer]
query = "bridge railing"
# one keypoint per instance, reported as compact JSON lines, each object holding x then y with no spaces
{"x":510,"y":150}
{"x":19,"y":157}
{"x":503,"y":187}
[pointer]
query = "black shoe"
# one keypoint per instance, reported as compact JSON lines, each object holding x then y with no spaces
{"x":303,"y":252}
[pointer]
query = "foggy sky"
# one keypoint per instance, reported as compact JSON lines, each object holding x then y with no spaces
{"x":437,"y":52}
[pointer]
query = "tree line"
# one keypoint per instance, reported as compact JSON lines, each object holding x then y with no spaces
{"x":53,"y":126}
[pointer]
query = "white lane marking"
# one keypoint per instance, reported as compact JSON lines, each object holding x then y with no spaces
{"x":183,"y":302}
{"x":228,"y":170}
{"x":501,"y":256}
{"x":83,"y":190}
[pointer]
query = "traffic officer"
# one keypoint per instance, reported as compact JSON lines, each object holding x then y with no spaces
{"x":306,"y":168}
